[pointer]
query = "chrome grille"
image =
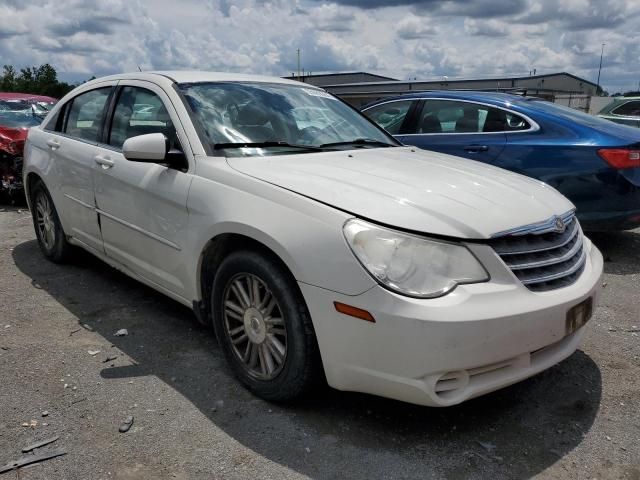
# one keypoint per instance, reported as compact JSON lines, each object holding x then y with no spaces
{"x":542,"y":257}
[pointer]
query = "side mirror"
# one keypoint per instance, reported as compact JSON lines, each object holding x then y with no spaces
{"x":150,"y":148}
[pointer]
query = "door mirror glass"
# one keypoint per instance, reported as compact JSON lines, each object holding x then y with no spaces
{"x":152,"y":148}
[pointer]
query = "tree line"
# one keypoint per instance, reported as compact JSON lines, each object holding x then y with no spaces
{"x":41,"y":80}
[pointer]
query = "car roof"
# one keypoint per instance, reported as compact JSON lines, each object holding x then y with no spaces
{"x":16,"y":96}
{"x":497,"y":98}
{"x":195,"y":76}
{"x":624,"y":99}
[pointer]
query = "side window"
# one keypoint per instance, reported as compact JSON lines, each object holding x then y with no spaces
{"x":140,"y":111}
{"x":445,"y":116}
{"x":52,"y":121}
{"x":86,"y":113}
{"x":390,"y":116}
{"x":515,"y":122}
{"x":631,"y":109}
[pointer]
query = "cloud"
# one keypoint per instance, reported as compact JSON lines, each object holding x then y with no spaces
{"x":402,"y":39}
{"x":481,"y":8}
{"x":413,"y":27}
{"x":581,"y":14}
{"x":332,"y":18}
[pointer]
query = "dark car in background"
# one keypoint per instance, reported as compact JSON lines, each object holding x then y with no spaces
{"x":623,"y":110}
{"x":594,"y":162}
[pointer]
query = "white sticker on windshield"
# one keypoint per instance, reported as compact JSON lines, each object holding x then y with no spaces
{"x":318,"y":93}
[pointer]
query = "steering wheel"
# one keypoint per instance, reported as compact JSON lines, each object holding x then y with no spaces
{"x":233,"y":111}
{"x":308,"y":134}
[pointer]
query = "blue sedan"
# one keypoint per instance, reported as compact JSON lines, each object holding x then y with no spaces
{"x":594,"y":162}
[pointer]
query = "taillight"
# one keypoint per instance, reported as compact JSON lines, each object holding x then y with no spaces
{"x":620,"y":157}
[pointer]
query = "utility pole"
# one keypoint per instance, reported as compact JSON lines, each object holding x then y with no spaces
{"x":600,"y":67}
{"x":298,"y":64}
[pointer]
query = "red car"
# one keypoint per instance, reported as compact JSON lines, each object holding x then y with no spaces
{"x":18,"y":112}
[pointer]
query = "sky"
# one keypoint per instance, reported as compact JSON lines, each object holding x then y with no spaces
{"x":406,"y":39}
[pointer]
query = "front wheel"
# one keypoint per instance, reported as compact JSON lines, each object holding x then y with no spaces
{"x":51,"y":238}
{"x":264,"y":327}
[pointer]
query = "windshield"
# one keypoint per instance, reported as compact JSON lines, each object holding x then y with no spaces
{"x":18,"y":119}
{"x":270,"y":118}
{"x":14,"y":105}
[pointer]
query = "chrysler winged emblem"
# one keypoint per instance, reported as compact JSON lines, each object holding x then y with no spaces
{"x":560,"y":226}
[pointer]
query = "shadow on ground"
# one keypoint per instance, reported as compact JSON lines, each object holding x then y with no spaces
{"x":531,"y":424}
{"x":621,"y":251}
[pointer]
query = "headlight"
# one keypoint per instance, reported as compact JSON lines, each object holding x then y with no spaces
{"x":409,"y":264}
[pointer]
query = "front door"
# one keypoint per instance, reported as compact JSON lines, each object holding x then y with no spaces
{"x":143,"y":206}
{"x":465,"y":129}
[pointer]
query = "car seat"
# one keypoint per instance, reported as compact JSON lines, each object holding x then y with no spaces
{"x":469,"y":122}
{"x":496,"y":121}
{"x":430,"y":124}
{"x":254,"y":123}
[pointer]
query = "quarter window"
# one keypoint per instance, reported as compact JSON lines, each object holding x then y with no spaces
{"x":445,"y":116}
{"x":86,"y":115}
{"x":138,"y":112}
{"x":390,"y":116}
{"x":630,"y":109}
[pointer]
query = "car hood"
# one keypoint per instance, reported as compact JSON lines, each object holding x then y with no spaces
{"x":413,"y":189}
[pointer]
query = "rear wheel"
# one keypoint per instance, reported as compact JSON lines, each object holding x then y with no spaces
{"x":51,"y":237}
{"x":263,"y":326}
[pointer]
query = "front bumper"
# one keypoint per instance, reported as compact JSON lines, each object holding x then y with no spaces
{"x":443,"y":351}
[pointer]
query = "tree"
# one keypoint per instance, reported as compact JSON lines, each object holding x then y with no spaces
{"x":41,"y":80}
{"x":8,"y":82}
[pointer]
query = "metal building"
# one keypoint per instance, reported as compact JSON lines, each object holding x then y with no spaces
{"x":548,"y":86}
{"x":322,"y":80}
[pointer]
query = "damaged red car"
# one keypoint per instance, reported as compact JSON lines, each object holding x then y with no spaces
{"x":18,"y":112}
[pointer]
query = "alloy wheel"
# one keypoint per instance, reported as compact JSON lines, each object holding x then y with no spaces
{"x":45,"y":222}
{"x":254,"y":326}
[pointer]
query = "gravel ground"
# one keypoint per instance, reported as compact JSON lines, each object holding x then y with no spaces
{"x":192,"y":420}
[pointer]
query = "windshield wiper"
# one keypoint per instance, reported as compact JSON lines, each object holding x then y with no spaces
{"x":221,"y":146}
{"x":359,"y":141}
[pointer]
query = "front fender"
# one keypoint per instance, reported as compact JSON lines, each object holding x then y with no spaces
{"x":305,"y":234}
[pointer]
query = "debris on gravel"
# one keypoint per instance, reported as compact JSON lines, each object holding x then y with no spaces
{"x":39,"y":444}
{"x":126,"y":425}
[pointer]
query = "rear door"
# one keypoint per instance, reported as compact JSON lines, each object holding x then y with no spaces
{"x":143,"y":206}
{"x":462,"y":128}
{"x":72,"y":145}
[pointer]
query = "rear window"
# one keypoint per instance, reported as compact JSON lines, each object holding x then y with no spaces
{"x":629,"y":109}
{"x":18,"y":119}
{"x":568,"y":113}
{"x":14,"y":105}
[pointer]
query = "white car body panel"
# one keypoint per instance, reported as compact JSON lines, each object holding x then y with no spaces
{"x":154,"y":223}
{"x":413,"y":189}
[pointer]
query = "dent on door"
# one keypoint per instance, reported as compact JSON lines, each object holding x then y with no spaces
{"x":75,"y":174}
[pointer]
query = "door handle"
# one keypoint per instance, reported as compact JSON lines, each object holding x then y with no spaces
{"x":53,"y":144}
{"x":476,"y":148}
{"x":104,"y":162}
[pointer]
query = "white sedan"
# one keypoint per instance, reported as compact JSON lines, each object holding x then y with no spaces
{"x":316,"y":249}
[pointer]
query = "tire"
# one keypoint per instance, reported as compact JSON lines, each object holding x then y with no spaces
{"x":51,"y":237}
{"x":267,"y":285}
